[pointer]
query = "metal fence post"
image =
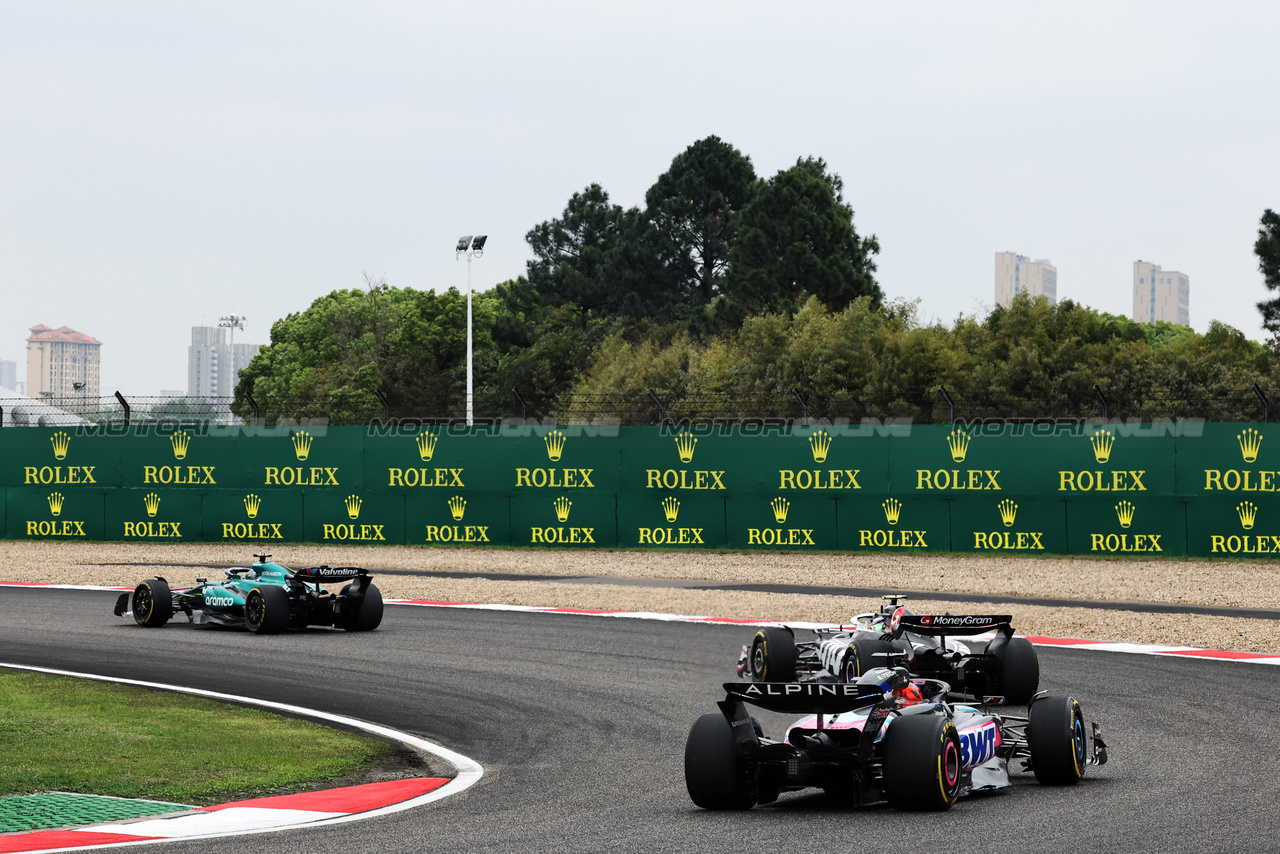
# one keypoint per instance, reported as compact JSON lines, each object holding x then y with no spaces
{"x":125,"y":404}
{"x":950,"y":405}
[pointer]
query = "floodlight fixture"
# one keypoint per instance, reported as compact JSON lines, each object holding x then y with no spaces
{"x":232,"y":322}
{"x":464,"y":243}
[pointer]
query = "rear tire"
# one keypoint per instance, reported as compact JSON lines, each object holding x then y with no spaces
{"x":363,"y":614}
{"x":266,"y":610}
{"x":773,"y":656}
{"x":1056,"y":739}
{"x":864,"y":654}
{"x":921,"y":763}
{"x":152,"y":603}
{"x":711,"y":771}
{"x":1019,"y":671}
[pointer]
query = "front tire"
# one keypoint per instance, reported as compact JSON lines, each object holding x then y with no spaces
{"x":152,"y":603}
{"x":1019,"y":671}
{"x":864,"y":654}
{"x":363,"y":614}
{"x":773,"y":656}
{"x":711,"y":772}
{"x":1056,"y":739}
{"x":266,"y":610}
{"x":921,"y":763}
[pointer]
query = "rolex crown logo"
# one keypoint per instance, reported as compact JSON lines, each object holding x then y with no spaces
{"x":1124,"y":512}
{"x":353,"y":503}
{"x":958,"y":443}
{"x":781,"y":507}
{"x":555,"y":445}
{"x":61,"y":441}
{"x":1250,"y":444}
{"x":1008,"y":512}
{"x":820,"y":443}
{"x":670,"y":508}
{"x":457,"y":506}
{"x":892,"y":509}
{"x":1248,"y":514}
{"x":562,"y":506}
{"x":1102,"y":442}
{"x":152,"y":502}
{"x":685,"y":446}
{"x":426,"y":445}
{"x":251,"y":505}
{"x":55,"y":503}
{"x":180,"y":441}
{"x":301,"y":444}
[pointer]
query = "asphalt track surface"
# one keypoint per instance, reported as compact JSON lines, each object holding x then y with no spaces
{"x":580,"y":725}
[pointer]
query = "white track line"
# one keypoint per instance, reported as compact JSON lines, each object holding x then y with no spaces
{"x":469,"y":771}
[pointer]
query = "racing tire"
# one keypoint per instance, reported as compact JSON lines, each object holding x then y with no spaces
{"x":1056,"y":740}
{"x":773,"y":656}
{"x":921,"y":763}
{"x":152,"y":603}
{"x":1019,"y":671}
{"x":863,"y":654}
{"x":266,"y":610}
{"x":362,"y":614}
{"x":711,"y":772}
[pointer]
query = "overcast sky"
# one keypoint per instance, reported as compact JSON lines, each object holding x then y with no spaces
{"x":164,"y":164}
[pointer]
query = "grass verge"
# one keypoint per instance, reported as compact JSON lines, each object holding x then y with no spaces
{"x":63,"y":734}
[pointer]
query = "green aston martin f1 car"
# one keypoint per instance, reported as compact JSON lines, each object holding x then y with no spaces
{"x":267,"y":597}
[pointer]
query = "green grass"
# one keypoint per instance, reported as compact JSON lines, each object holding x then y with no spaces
{"x":77,"y":735}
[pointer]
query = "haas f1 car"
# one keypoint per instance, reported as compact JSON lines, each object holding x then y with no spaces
{"x":884,"y":738}
{"x":1006,"y":671}
{"x":266,"y":597}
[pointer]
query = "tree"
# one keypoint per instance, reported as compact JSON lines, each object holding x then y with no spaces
{"x":334,"y":359}
{"x":597,"y":257}
{"x":694,"y":207}
{"x":1267,"y":248}
{"x":797,"y":238}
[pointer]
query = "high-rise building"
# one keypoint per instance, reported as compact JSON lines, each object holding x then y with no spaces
{"x":1018,"y":274}
{"x":8,"y":374}
{"x":1160,"y":294}
{"x":214,"y":363}
{"x":62,"y":363}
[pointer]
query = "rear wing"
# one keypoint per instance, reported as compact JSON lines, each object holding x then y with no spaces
{"x":818,"y":698}
{"x":936,"y":625}
{"x":330,"y":573}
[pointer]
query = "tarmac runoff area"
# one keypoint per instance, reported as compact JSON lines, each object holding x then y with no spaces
{"x":1203,"y":604}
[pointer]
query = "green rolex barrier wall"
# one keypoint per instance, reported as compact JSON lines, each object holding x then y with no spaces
{"x":1191,"y":488}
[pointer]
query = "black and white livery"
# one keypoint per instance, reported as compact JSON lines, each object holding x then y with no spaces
{"x":884,"y":738}
{"x":1005,"y":670}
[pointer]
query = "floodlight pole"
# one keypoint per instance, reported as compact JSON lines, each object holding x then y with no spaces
{"x":471,"y":247}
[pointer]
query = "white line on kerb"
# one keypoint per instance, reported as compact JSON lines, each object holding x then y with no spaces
{"x":469,"y":771}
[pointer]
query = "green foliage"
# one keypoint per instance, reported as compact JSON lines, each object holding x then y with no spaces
{"x":1267,"y":248}
{"x":1030,"y":360}
{"x":335,"y":358}
{"x":694,"y":209}
{"x":74,"y":735}
{"x":797,"y":240}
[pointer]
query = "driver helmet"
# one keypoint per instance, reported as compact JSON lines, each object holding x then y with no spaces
{"x":908,"y":694}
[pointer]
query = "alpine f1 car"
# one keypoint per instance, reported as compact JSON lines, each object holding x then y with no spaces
{"x":266,"y":597}
{"x":1007,"y":670}
{"x":884,"y":738}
